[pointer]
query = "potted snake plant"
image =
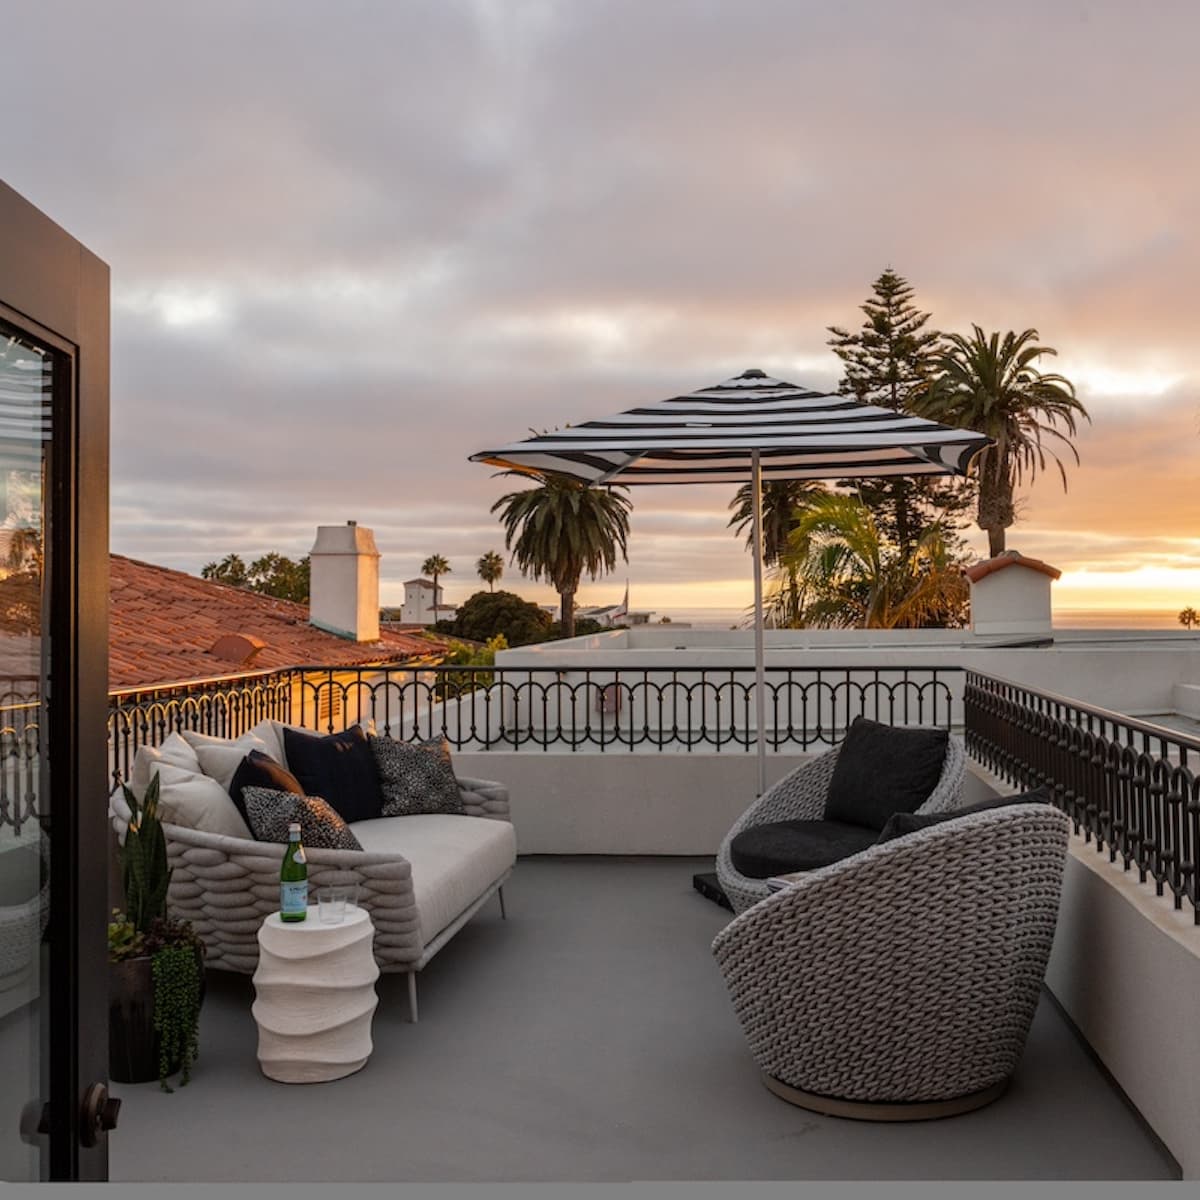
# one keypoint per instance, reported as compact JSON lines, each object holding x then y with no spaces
{"x":156,"y":964}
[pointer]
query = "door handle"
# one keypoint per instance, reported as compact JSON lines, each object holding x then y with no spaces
{"x":98,"y":1114}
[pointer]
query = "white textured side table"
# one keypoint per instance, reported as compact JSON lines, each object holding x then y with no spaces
{"x":315,"y":996}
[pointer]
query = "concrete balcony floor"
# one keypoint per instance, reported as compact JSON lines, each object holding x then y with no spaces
{"x":589,"y":1038}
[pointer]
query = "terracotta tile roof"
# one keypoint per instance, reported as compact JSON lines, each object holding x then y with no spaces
{"x":164,"y":624}
{"x":1010,"y":558}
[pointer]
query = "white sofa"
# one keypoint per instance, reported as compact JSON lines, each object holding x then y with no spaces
{"x":420,"y":877}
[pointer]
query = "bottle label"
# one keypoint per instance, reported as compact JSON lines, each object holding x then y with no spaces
{"x":293,"y":897}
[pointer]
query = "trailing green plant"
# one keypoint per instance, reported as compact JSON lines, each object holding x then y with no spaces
{"x":145,"y":930}
{"x":145,"y":874}
{"x":177,"y":975}
{"x":177,"y":970}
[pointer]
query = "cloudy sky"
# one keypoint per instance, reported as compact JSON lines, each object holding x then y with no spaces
{"x":353,"y":243}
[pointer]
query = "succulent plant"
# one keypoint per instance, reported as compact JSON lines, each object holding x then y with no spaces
{"x":145,"y":875}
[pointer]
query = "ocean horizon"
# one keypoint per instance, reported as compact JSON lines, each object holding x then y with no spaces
{"x":1064,"y":618}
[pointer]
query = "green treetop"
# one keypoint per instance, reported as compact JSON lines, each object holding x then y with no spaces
{"x":886,"y":362}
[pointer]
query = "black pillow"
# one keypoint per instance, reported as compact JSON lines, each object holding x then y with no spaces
{"x":882,"y":770}
{"x":899,"y":824}
{"x":261,"y":770}
{"x":340,"y":768}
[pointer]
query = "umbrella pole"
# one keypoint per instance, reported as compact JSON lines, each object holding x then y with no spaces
{"x":760,"y":689}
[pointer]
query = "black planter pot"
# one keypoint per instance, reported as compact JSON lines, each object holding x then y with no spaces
{"x":133,"y":1045}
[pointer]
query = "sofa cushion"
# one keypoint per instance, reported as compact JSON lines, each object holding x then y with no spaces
{"x":900,"y":824}
{"x":261,"y":770}
{"x":265,"y":732}
{"x":785,"y":846}
{"x":219,"y":757}
{"x":454,"y":860}
{"x":416,"y":777}
{"x":340,"y":768}
{"x":270,"y":812}
{"x":174,"y":750}
{"x":195,"y":801}
{"x":881,"y":770}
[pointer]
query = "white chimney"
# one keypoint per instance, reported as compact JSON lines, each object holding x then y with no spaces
{"x":1010,"y":594}
{"x":344,"y":585}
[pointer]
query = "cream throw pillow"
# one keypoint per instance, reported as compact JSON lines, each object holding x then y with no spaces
{"x":220,"y":757}
{"x":174,"y":750}
{"x":266,"y":731}
{"x":196,"y":801}
{"x":222,"y":761}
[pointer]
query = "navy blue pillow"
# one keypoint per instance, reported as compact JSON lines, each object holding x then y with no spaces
{"x":339,"y":768}
{"x":261,"y":770}
{"x":900,"y":824}
{"x":882,"y":770}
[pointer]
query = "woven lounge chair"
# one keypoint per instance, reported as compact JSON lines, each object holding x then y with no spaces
{"x":900,"y":983}
{"x":801,"y":796}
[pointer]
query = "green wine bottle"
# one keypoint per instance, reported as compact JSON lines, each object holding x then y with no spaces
{"x":293,"y":878}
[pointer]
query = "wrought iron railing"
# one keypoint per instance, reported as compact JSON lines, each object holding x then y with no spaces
{"x":585,"y":707}
{"x":220,"y":707}
{"x":20,"y":730}
{"x":1129,"y":786}
{"x":568,"y":708}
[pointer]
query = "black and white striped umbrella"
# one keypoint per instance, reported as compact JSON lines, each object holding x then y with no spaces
{"x":711,"y":436}
{"x":745,"y":430}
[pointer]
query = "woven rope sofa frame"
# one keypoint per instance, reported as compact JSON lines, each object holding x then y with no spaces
{"x":226,"y":887}
{"x":800,"y":796}
{"x":901,"y":982}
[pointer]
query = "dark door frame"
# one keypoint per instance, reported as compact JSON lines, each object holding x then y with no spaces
{"x":56,"y":292}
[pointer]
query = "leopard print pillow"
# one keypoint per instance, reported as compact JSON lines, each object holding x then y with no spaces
{"x":416,"y":778}
{"x":269,"y":813}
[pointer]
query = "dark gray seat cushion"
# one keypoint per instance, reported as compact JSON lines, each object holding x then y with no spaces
{"x":785,"y":846}
{"x":900,"y":824}
{"x":882,"y":770}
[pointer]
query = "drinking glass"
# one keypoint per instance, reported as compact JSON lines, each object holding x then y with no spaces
{"x":332,"y":901}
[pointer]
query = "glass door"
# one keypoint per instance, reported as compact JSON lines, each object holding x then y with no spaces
{"x":54,"y":841}
{"x":27,"y":378}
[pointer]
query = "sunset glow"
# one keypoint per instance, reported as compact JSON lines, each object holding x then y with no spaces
{"x":377,"y":275}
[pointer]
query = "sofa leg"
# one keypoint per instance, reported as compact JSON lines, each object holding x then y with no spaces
{"x":503,"y":910}
{"x":412,"y":997}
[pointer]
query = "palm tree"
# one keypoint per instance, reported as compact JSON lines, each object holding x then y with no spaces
{"x":490,"y":568}
{"x":991,"y":385}
{"x":781,"y":500}
{"x":1189,"y":617}
{"x":435,"y":565}
{"x":560,"y":529}
{"x":839,"y":571}
{"x":231,"y":570}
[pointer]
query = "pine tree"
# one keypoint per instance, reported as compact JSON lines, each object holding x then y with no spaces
{"x":887,"y":361}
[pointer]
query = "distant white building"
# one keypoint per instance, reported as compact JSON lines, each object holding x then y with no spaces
{"x":422,"y":606}
{"x":614,"y":616}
